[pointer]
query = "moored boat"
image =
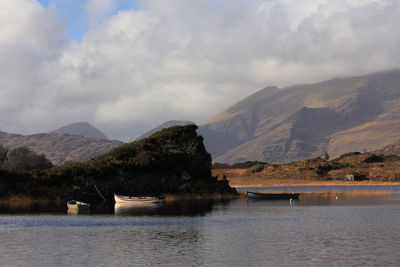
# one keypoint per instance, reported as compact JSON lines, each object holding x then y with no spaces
{"x":77,"y":205}
{"x":272,"y":196}
{"x":137,"y":200}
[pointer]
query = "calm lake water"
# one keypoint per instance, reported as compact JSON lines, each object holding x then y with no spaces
{"x":360,"y":227}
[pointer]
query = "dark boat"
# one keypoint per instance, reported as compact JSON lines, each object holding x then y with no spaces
{"x":272,"y":196}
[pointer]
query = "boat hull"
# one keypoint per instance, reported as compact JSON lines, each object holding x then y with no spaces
{"x":272,"y":196}
{"x":77,"y":205}
{"x":137,"y":200}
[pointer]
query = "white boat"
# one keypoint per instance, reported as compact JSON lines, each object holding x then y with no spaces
{"x":137,"y":200}
{"x":77,"y":205}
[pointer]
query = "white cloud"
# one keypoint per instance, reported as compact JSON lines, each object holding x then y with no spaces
{"x":97,"y":10}
{"x":180,"y":59}
{"x":31,"y":40}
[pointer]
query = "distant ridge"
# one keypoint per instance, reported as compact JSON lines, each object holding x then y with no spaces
{"x":60,"y":148}
{"x":82,"y":129}
{"x":281,"y":125}
{"x":167,"y":124}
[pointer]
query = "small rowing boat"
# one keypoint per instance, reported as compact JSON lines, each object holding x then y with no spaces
{"x":272,"y":196}
{"x":77,"y":205}
{"x":137,"y":200}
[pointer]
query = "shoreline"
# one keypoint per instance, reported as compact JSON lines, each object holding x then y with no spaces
{"x":27,"y":200}
{"x":273,"y":183}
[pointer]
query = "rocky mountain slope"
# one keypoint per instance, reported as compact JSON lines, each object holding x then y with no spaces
{"x":393,"y":149}
{"x":283,"y":125}
{"x":59,"y":148}
{"x":83,"y":129}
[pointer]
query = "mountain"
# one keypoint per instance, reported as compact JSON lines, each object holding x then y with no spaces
{"x":59,"y":148}
{"x":83,"y":129}
{"x":389,"y":150}
{"x":165,"y":125}
{"x":281,"y":125}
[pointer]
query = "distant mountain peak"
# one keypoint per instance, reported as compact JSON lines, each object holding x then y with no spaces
{"x":336,"y":116}
{"x":81,"y":129}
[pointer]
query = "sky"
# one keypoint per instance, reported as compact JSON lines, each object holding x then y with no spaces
{"x":127,"y":66}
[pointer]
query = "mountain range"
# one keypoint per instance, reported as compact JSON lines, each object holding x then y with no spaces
{"x":280,"y":125}
{"x":76,"y":142}
{"x":275,"y":125}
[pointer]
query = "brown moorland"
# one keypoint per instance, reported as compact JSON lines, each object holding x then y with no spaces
{"x":349,"y":169}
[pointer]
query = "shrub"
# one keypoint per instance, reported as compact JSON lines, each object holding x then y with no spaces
{"x":24,"y":159}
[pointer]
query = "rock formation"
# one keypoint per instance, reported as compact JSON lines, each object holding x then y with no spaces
{"x":165,"y":125}
{"x":172,"y":161}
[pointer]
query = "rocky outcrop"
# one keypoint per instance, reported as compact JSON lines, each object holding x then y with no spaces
{"x":60,"y":148}
{"x":359,"y":166}
{"x":172,"y":161}
{"x":357,"y":158}
{"x":165,"y":125}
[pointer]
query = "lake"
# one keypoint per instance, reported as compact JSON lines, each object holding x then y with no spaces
{"x":328,"y":226}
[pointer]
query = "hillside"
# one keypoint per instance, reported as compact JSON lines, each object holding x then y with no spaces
{"x":165,"y":125}
{"x":59,"y":148}
{"x":83,"y":129}
{"x":365,"y":167}
{"x":172,"y":161}
{"x":393,"y":149}
{"x":303,"y":121}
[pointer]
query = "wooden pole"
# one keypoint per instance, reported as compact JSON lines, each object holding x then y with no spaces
{"x":98,"y":191}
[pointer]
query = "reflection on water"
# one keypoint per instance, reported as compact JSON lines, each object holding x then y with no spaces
{"x":129,"y":209}
{"x":22,"y":208}
{"x":176,"y":208}
{"x":78,"y":212}
{"x":317,"y":230}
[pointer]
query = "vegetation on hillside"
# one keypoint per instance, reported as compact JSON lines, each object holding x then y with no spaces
{"x":172,"y":161}
{"x":354,"y":166}
{"x":239,"y":165}
{"x":22,"y":159}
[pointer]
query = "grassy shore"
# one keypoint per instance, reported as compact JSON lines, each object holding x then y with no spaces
{"x":240,"y":184}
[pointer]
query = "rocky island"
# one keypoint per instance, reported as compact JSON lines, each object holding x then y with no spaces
{"x":173,"y":161}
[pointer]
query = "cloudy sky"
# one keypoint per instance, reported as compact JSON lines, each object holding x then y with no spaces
{"x":126,"y":66}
